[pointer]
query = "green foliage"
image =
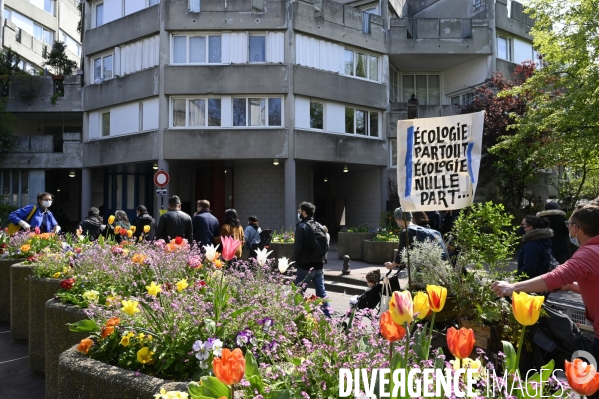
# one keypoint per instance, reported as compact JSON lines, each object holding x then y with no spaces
{"x":359,"y":229}
{"x":9,"y":63}
{"x":387,"y":222}
{"x":5,"y":210}
{"x":283,"y":237}
{"x":58,"y":59}
{"x":386,"y":236}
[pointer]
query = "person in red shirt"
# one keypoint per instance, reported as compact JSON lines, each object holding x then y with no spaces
{"x":579,"y":274}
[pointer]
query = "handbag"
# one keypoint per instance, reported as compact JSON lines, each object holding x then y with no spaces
{"x":385,"y":296}
{"x":12,"y":228}
{"x":553,"y":263}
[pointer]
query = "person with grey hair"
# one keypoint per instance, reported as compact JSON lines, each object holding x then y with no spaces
{"x":411,"y":233}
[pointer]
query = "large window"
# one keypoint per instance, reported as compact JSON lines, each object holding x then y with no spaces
{"x":257,"y":48}
{"x":362,"y":122}
{"x":103,"y":67}
{"x":14,"y":187}
{"x":361,"y":65}
{"x":427,"y":89}
{"x":70,"y":43}
{"x":196,"y":112}
{"x":105,"y":121}
{"x":99,"y":14}
{"x":257,"y":112}
{"x":43,"y":35}
{"x":316,"y":115}
{"x":196,"y":49}
{"x":504,"y":48}
{"x":49,"y":6}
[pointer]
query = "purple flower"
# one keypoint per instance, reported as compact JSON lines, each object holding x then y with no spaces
{"x":266,"y":323}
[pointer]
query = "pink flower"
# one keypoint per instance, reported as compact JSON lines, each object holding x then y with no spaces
{"x":229,"y":247}
{"x":37,"y":230}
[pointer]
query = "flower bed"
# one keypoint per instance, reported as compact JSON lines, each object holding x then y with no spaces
{"x":19,"y":301}
{"x":352,"y":244}
{"x":40,"y":291}
{"x":5,"y":265}
{"x":280,"y":250}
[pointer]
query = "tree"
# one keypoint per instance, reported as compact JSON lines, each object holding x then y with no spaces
{"x":513,"y":167}
{"x":58,"y":59}
{"x":562,"y":95}
{"x":9,"y":66}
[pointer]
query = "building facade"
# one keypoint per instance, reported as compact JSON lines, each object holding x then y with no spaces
{"x":262,"y":104}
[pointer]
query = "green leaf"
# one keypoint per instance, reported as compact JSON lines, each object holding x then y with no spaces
{"x":439,"y":363}
{"x":83,"y":326}
{"x":251,"y":365}
{"x":256,"y":383}
{"x":510,"y":356}
{"x":296,"y":361}
{"x":195,"y":391}
{"x":213,"y":388}
{"x":240,"y":311}
{"x":280,"y":394}
{"x":396,"y":361}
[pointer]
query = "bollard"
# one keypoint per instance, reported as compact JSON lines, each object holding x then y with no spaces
{"x":346,"y":265}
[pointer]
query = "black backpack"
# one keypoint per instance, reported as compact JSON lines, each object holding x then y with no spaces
{"x":318,"y":243}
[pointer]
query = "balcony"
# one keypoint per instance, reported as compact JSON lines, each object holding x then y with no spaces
{"x":45,"y":152}
{"x":34,"y":94}
{"x":439,"y":43}
{"x":513,"y":20}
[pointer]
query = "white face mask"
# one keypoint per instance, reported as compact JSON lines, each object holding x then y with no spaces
{"x":46,"y":204}
{"x":299,"y":217}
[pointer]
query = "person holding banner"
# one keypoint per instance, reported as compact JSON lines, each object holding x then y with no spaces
{"x":415,"y":233}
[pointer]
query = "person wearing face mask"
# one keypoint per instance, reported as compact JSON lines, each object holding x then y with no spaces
{"x":579,"y":274}
{"x":28,"y":217}
{"x":535,"y":254}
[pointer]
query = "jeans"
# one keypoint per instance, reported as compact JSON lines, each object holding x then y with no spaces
{"x":317,"y":277}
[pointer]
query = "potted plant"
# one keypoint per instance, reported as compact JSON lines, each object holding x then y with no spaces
{"x":350,"y":241}
{"x":381,"y":248}
{"x":281,"y":244}
{"x":63,"y":65}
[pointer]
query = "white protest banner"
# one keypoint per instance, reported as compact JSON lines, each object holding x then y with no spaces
{"x":438,"y":161}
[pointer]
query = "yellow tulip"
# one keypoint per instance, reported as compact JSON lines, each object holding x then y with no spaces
{"x":111,"y":219}
{"x":526,"y":308}
{"x":153,"y":289}
{"x":437,"y":296}
{"x":133,"y":228}
{"x":117,"y":229}
{"x":130,"y":307}
{"x":421,"y":305}
{"x":181,"y":285}
{"x":401,"y":307}
{"x":147,"y":229}
{"x":129,"y":233}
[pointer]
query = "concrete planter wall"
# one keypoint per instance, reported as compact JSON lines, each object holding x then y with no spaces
{"x":19,"y":301}
{"x":58,"y":339}
{"x":352,"y":244}
{"x":281,"y":250}
{"x":82,"y":377}
{"x":379,"y":251}
{"x":5,"y":265}
{"x":40,"y":290}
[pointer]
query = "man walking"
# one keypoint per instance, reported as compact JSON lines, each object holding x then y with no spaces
{"x":144,"y":219}
{"x":205,"y":224}
{"x":309,"y":262}
{"x":174,"y":223}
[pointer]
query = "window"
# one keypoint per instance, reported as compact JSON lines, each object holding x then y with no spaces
{"x":153,"y":3}
{"x":316,"y":115}
{"x":196,"y":49}
{"x":43,"y":35}
{"x":504,"y":48}
{"x":467,"y":98}
{"x":70,"y":43}
{"x":364,"y":123}
{"x":196,"y":112}
{"x":427,"y":89}
{"x":99,"y":10}
{"x":258,"y":5}
{"x":14,"y":187}
{"x":257,"y":112}
{"x":393,"y":153}
{"x":103,"y":67}
{"x":105,"y":121}
{"x":455,"y":101}
{"x":361,"y":65}
{"x":49,"y":6}
{"x":394,"y":94}
{"x":257,"y":48}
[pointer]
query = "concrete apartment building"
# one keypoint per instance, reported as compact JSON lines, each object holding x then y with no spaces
{"x":255,"y":104}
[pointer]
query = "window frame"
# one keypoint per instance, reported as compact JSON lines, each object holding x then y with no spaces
{"x":62,"y":34}
{"x":427,"y":74}
{"x":95,"y":14}
{"x":391,"y":165}
{"x":266,"y":116}
{"x":187,"y":108}
{"x":508,"y":47}
{"x":101,"y":56}
{"x":368,"y":55}
{"x":44,"y":30}
{"x":324,"y":119}
{"x":256,"y":34}
{"x":187,"y":36}
{"x":101,"y":121}
{"x":368,"y":112}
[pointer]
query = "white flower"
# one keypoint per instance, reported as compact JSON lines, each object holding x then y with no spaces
{"x":261,"y":255}
{"x":202,"y":354}
{"x":197,"y":345}
{"x":203,"y":364}
{"x":217,"y":347}
{"x":284,"y":264}
{"x":211,"y":252}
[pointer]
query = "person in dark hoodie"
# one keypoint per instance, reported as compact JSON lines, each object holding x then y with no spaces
{"x":534,"y":256}
{"x":557,"y":222}
{"x":142,"y":220}
{"x":92,"y":225}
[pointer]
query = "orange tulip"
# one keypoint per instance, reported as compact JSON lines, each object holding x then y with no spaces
{"x":230,"y":368}
{"x":389,"y":330}
{"x":460,"y":342}
{"x":113,"y":321}
{"x":84,"y":345}
{"x":107,"y":331}
{"x":584,"y":380}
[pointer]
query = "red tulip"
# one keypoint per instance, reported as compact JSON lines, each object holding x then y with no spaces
{"x":582,"y":378}
{"x":460,"y":342}
{"x":178,"y":240}
{"x":389,"y":330}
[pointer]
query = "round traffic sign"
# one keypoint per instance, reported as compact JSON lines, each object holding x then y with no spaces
{"x":161,"y":178}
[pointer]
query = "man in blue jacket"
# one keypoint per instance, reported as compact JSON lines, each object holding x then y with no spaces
{"x":41,"y":218}
{"x":205,"y":225}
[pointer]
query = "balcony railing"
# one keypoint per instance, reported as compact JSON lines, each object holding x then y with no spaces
{"x":439,"y":28}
